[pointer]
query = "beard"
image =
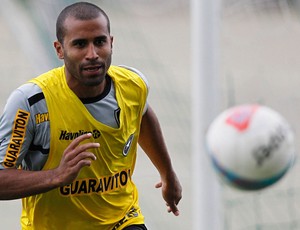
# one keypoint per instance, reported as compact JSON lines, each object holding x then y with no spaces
{"x":89,"y":73}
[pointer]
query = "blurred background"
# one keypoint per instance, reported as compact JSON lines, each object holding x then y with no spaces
{"x":258,"y":61}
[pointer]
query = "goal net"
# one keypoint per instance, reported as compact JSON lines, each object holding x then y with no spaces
{"x":259,"y":63}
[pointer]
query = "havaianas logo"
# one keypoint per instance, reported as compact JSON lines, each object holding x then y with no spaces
{"x":66,"y":135}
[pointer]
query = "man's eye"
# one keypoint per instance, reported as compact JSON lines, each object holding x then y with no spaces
{"x":100,"y":42}
{"x":79,"y":44}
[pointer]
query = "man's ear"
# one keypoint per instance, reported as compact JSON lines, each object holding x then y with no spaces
{"x":59,"y":50}
{"x":111,"y":41}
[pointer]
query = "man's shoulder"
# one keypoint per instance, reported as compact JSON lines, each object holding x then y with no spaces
{"x":53,"y":75}
{"x":136,"y":72}
{"x":28,"y":90}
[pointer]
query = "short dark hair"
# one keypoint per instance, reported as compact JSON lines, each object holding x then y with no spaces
{"x":81,"y":11}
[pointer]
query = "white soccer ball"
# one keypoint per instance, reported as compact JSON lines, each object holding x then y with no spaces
{"x":251,"y":146}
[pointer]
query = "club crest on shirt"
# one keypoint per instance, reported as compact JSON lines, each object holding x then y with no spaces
{"x":128,"y":145}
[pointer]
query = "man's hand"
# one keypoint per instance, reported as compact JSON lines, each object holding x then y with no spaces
{"x":75,"y":157}
{"x":171,"y":192}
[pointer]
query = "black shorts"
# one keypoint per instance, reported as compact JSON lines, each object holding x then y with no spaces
{"x":136,"y":227}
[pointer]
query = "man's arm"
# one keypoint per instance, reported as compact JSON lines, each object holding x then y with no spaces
{"x":152,"y":142}
{"x":17,"y":183}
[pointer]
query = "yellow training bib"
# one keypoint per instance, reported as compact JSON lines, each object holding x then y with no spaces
{"x":103,"y":196}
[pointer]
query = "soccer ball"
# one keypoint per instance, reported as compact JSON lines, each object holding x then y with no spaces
{"x":250,"y":146}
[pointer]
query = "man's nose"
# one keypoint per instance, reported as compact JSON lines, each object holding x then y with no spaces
{"x":92,"y":52}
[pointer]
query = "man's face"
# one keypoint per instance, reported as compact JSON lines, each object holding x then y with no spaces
{"x":86,"y":50}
